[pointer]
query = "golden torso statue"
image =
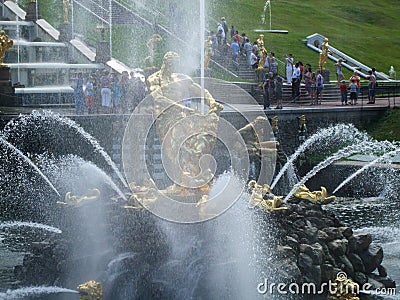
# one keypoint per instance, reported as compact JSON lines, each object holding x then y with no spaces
{"x":185,"y":133}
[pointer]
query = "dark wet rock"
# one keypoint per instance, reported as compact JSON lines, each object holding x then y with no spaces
{"x":359,"y":242}
{"x":372,"y":257}
{"x":333,"y":233}
{"x":346,"y":231}
{"x":382,"y":271}
{"x":357,"y":262}
{"x":305,"y":262}
{"x":346,"y":265}
{"x":360,"y":278}
{"x":337,"y":247}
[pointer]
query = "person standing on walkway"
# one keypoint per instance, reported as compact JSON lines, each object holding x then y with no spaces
{"x":343,"y":92}
{"x":339,"y":72}
{"x":357,"y":80}
{"x":353,"y":92}
{"x":296,"y":82}
{"x":320,"y":86}
{"x":278,"y":91}
{"x":79,"y":96}
{"x":89,"y":95}
{"x":371,"y":87}
{"x":248,"y":47}
{"x":266,"y":86}
{"x":105,"y":83}
{"x":289,"y":68}
{"x":225,"y":27}
{"x":313,"y":88}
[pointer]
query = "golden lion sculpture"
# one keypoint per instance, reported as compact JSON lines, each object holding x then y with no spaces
{"x":71,"y":200}
{"x":262,"y":197}
{"x":317,"y":197}
{"x":91,"y":290}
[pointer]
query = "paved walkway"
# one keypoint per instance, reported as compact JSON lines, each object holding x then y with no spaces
{"x":288,"y":107}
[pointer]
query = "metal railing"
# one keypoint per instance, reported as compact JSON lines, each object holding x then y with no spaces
{"x":389,"y":91}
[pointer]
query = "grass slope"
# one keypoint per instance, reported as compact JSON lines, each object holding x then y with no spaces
{"x":387,"y":127}
{"x":365,"y":30}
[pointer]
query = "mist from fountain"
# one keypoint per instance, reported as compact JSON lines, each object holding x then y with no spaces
{"x":24,"y":125}
{"x":19,"y":154}
{"x":324,"y":138}
{"x":68,"y":171}
{"x":215,"y":257}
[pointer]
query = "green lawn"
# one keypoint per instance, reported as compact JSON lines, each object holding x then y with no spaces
{"x":388,"y":127}
{"x":366,"y":30}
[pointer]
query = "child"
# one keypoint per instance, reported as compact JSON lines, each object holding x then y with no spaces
{"x":278,"y":92}
{"x":353,"y":92}
{"x":343,"y":92}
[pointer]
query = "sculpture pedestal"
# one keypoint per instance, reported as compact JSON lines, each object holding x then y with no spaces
{"x":32,"y":11}
{"x":103,"y":54}
{"x":65,"y":32}
{"x":7,"y":95}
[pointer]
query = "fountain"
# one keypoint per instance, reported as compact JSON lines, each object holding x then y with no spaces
{"x":193,"y":214}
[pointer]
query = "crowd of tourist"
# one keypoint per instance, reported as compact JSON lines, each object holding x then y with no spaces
{"x":296,"y":73}
{"x":102,"y":92}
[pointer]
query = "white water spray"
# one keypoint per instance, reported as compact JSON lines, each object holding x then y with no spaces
{"x":372,"y":163}
{"x":30,"y":162}
{"x":24,"y":292}
{"x":343,"y":131}
{"x":29,"y":224}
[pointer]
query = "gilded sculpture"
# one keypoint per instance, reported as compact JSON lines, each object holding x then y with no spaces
{"x":324,"y":54}
{"x":71,"y":200}
{"x":187,"y":136}
{"x":255,"y":137}
{"x":208,"y":52}
{"x":66,"y":11}
{"x":5,"y":44}
{"x":262,"y":52}
{"x":261,"y":196}
{"x":345,"y":289}
{"x":91,"y":290}
{"x":151,"y":46}
{"x":316,"y":197}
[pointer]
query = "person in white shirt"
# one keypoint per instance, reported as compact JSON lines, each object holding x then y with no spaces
{"x":296,"y":82}
{"x":289,"y":68}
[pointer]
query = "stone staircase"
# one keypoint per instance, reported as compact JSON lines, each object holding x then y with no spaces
{"x":254,"y":80}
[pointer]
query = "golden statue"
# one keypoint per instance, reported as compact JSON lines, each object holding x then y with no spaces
{"x":151,"y":45}
{"x":262,"y":52}
{"x":66,"y":11}
{"x":208,"y":51}
{"x":92,"y":195}
{"x":324,"y":54}
{"x":316,"y":197}
{"x":186,"y":135}
{"x":91,"y":290}
{"x":261,"y":196}
{"x":5,"y":44}
{"x":254,"y":137}
{"x":345,"y":289}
